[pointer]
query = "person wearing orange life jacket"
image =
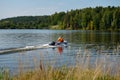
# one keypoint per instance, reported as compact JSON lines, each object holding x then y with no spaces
{"x":60,"y":39}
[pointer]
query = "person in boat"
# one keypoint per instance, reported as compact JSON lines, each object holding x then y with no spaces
{"x":60,"y":39}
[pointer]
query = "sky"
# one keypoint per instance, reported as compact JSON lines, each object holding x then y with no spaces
{"x":14,"y":8}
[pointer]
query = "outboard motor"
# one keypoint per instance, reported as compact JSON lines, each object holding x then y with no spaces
{"x":52,"y":43}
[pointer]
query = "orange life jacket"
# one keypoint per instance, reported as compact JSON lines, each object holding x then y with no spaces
{"x":60,"y":39}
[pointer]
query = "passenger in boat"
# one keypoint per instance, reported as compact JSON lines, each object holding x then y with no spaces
{"x":60,"y":39}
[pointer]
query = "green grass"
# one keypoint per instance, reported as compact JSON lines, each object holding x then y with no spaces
{"x":4,"y":74}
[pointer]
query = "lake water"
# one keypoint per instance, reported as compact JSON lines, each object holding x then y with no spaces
{"x":98,"y":45}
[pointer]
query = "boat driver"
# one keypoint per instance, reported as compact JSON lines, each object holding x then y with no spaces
{"x":60,"y":39}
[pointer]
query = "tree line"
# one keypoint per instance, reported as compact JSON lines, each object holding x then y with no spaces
{"x":25,"y":22}
{"x":99,"y":18}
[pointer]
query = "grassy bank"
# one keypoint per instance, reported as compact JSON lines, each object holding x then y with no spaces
{"x":78,"y":72}
{"x":81,"y":71}
{"x":73,"y":73}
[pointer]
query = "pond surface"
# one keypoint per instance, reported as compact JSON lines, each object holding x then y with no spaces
{"x":100,"y":45}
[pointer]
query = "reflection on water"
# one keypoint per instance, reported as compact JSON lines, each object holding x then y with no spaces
{"x":81,"y":44}
{"x":60,"y":49}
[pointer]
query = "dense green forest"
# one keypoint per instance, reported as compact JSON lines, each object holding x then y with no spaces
{"x":99,"y":18}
